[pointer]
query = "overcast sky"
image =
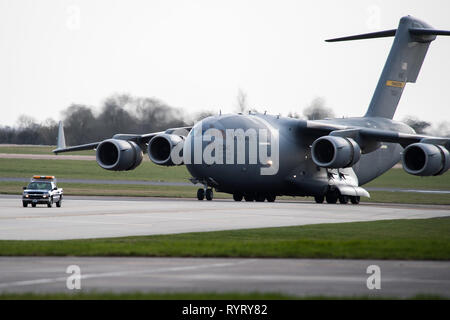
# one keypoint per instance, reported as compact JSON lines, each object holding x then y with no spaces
{"x":195,"y":55}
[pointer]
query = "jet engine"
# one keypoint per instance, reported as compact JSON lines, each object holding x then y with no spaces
{"x":118,"y":155}
{"x":160,"y":148}
{"x":335,"y":152}
{"x":424,"y":159}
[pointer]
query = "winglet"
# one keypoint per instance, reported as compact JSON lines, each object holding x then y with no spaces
{"x":61,"y":142}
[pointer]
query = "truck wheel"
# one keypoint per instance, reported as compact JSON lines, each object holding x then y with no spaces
{"x":50,"y":204}
{"x":58,"y":204}
{"x":25,"y":204}
{"x":33,"y":205}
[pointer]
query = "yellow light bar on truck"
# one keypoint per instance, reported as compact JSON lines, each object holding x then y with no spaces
{"x":44,"y":177}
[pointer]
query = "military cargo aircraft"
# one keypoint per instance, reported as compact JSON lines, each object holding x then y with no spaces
{"x":257,"y":156}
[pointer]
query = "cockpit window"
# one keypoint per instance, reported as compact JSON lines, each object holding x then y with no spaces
{"x":40,"y":186}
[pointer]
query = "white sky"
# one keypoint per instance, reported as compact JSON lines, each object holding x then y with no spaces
{"x":196,"y":54}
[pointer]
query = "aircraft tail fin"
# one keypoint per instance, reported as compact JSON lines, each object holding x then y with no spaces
{"x":61,"y":142}
{"x":411,"y":42}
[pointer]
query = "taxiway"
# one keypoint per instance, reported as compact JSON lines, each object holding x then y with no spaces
{"x":100,"y":217}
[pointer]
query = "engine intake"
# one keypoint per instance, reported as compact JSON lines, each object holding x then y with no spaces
{"x":160,"y":148}
{"x":335,"y":152}
{"x":424,"y":159}
{"x":118,"y":155}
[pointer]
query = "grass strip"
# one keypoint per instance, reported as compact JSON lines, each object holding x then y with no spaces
{"x":421,"y":239}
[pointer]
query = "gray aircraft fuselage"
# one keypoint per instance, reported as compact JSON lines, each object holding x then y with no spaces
{"x":297,"y":173}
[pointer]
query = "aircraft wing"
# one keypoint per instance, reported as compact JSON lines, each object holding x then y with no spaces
{"x":88,"y":146}
{"x":369,"y":135}
{"x":140,"y":139}
{"x":378,"y":135}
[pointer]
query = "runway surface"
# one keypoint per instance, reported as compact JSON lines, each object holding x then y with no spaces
{"x":97,"y":217}
{"x":289,"y":276}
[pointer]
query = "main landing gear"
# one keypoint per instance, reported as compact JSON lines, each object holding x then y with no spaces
{"x":205,"y":193}
{"x":258,"y":197}
{"x":332,"y":196}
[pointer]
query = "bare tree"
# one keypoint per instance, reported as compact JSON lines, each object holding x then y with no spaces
{"x":241,"y":101}
{"x":25,"y":121}
{"x":317,"y":110}
{"x":441,"y":129}
{"x":418,"y":125}
{"x":293,"y":114}
{"x":202,"y":114}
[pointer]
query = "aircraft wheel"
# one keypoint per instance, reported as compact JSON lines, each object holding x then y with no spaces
{"x":355,"y":200}
{"x":237,"y":197}
{"x":249,"y":198}
{"x":271,"y":198}
{"x":343,"y":199}
{"x":260,"y":197}
{"x":200,"y":194}
{"x":58,"y":204}
{"x":331,"y":197}
{"x":319,"y":199}
{"x":209,"y":194}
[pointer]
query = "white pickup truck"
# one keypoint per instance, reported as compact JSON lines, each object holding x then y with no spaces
{"x":42,"y":190}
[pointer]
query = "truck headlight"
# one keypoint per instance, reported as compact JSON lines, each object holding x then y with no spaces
{"x":45,"y":196}
{"x":26,"y":195}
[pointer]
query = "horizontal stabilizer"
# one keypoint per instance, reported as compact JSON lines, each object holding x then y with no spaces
{"x":378,"y":34}
{"x":428,"y":32}
{"x":391,"y":33}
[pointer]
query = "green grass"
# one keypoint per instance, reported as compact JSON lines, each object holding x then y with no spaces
{"x":129,"y":190}
{"x":39,"y":150}
{"x":193,"y":296}
{"x":85,"y":169}
{"x":147,"y":171}
{"x":133,"y":190}
{"x":407,"y":197}
{"x":422,"y":239}
{"x":398,"y":178}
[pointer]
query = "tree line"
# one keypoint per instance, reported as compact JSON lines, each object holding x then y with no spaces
{"x":118,"y":114}
{"x":128,"y":114}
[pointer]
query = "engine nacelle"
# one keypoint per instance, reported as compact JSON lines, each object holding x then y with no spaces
{"x":335,"y":152}
{"x":118,"y":155}
{"x":424,"y":159}
{"x":160,"y":148}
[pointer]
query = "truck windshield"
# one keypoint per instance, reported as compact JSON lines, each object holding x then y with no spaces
{"x":40,"y":186}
